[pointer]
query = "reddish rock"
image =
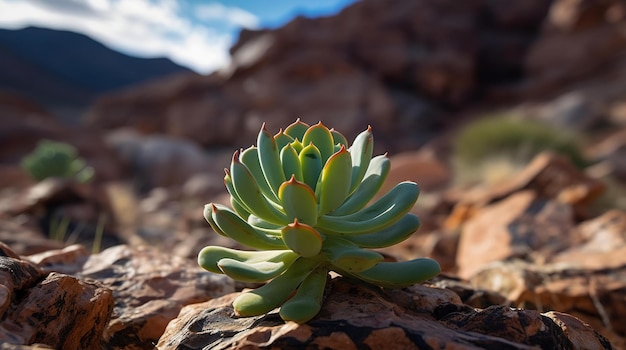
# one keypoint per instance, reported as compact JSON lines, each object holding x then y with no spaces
{"x":53,"y":309}
{"x":520,"y":226}
{"x":150,"y":287}
{"x":595,"y":295}
{"x":548,"y":175}
{"x":355,"y":316}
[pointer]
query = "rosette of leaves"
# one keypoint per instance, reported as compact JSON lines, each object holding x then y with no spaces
{"x":304,"y":199}
{"x":56,"y":159}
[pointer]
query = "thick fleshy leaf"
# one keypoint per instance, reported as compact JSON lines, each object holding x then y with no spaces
{"x":233,"y":226}
{"x":236,"y":202}
{"x":307,"y":301}
{"x":338,"y":138}
{"x":250,"y":157}
{"x":321,"y":137}
{"x":302,"y":239}
{"x":291,"y":162}
{"x":374,"y":179}
{"x":282,"y":139}
{"x":209,"y":256}
{"x":248,"y":191}
{"x":348,"y":256}
{"x":361,"y":153}
{"x":269,"y":158}
{"x":297,"y":129}
{"x":334,"y":183}
{"x":298,"y":201}
{"x":311,"y":162}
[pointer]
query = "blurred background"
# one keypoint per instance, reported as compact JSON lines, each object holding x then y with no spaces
{"x":117,"y":118}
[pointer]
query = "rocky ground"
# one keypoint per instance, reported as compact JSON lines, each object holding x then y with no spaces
{"x":536,"y":259}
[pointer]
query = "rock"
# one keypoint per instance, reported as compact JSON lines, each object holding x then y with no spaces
{"x":150,"y":287}
{"x":593,"y":295}
{"x":356,"y":316}
{"x":611,"y":151}
{"x":520,"y":226}
{"x":53,"y":309}
{"x":548,"y":175}
{"x":572,"y":29}
{"x":586,"y":280}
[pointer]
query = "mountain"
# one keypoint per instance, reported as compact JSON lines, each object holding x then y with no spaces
{"x":64,"y":71}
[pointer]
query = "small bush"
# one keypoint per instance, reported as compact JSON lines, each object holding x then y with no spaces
{"x":56,"y":159}
{"x":504,"y":144}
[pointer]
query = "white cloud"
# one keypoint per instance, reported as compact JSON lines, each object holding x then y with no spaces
{"x":147,"y":28}
{"x":233,"y":15}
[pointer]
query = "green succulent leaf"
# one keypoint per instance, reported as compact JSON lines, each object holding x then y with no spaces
{"x":381,"y":214}
{"x":269,"y":158}
{"x":282,"y":139}
{"x":334,"y":183}
{"x":307,"y":301}
{"x":338,"y":139}
{"x":250,"y":158}
{"x":321,"y":137}
{"x":311,"y":162}
{"x":302,"y":239}
{"x":230,"y":224}
{"x":297,"y":129}
{"x":291,"y":162}
{"x":268,"y":227}
{"x":372,"y":182}
{"x":299,"y":201}
{"x":361,"y":152}
{"x":235,"y":200}
{"x":394,"y":234}
{"x":264,"y":299}
{"x":348,"y":256}
{"x":256,"y":271}
{"x":400,"y":274}
{"x":250,"y":194}
{"x":209,"y":256}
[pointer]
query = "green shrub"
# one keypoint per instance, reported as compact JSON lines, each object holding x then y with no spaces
{"x":56,"y":159}
{"x":496,"y":146}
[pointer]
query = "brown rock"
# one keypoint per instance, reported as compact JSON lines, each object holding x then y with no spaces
{"x":520,"y":226}
{"x":60,"y":311}
{"x":150,"y":287}
{"x":581,"y":335}
{"x":548,"y":175}
{"x":603,"y":246}
{"x":358,"y":316}
{"x":593,"y":295}
{"x":57,"y":310}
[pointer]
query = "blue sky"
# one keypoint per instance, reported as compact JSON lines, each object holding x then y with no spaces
{"x":193,"y":33}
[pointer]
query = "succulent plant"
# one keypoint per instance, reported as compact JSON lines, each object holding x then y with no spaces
{"x":302,"y":198}
{"x":56,"y":159}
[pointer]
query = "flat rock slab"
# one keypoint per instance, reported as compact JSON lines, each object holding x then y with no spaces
{"x":358,"y":316}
